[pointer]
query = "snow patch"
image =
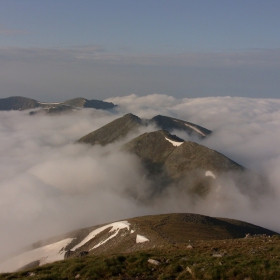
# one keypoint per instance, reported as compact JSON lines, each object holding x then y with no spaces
{"x":46,"y":103}
{"x":174,"y":143}
{"x":141,"y":238}
{"x":46,"y":254}
{"x":195,"y":129}
{"x":132,"y":231}
{"x":210,"y":174}
{"x":115,"y":227}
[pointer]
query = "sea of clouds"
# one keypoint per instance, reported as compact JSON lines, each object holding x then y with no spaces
{"x":50,"y":185}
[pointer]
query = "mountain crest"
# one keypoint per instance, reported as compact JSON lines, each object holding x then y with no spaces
{"x":113,"y":131}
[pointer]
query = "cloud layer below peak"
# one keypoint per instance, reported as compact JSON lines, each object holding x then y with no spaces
{"x":50,"y":185}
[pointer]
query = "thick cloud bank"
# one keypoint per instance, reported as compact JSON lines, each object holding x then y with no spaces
{"x":49,"y":185}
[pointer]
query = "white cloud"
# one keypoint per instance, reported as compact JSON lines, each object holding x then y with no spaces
{"x":50,"y":185}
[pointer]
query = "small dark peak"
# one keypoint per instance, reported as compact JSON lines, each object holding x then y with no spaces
{"x":75,"y":102}
{"x":18,"y":103}
{"x":82,"y":102}
{"x":99,"y":104}
{"x":134,"y":118}
{"x":170,"y":124}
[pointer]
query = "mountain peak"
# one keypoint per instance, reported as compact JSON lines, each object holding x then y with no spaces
{"x":113,"y":131}
{"x":17,"y":103}
{"x":170,"y":124}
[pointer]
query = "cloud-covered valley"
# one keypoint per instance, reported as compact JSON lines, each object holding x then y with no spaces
{"x":50,"y":185}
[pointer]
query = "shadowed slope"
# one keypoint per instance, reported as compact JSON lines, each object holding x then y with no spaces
{"x":170,"y":124}
{"x":153,"y":148}
{"x":192,"y":156}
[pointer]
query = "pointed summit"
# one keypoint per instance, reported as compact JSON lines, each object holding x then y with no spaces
{"x":113,"y":131}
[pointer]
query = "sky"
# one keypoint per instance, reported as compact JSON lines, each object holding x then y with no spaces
{"x":56,"y":50}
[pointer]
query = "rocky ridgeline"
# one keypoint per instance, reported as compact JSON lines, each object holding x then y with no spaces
{"x":23,"y":103}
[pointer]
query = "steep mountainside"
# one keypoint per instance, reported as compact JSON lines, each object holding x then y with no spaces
{"x":17,"y":103}
{"x":153,"y":148}
{"x":134,"y":235}
{"x":171,"y":161}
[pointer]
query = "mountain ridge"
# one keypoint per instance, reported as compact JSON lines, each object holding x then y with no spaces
{"x":121,"y":127}
{"x":24,"y":103}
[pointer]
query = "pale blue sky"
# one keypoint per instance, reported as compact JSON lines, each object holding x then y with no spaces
{"x":51,"y":49}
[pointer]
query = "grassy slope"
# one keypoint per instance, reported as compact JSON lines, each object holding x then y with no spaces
{"x":256,"y":258}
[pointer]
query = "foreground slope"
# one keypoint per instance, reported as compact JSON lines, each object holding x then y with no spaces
{"x":250,"y":258}
{"x":134,"y":235}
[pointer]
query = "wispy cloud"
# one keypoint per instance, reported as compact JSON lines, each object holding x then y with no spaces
{"x":51,"y":72}
{"x":11,"y":32}
{"x":254,"y":57}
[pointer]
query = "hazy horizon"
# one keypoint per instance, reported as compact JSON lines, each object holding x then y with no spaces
{"x":57,"y":50}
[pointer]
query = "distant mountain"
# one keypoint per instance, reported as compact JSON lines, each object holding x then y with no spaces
{"x":18,"y":103}
{"x":121,"y":127}
{"x":85,"y":103}
{"x":23,"y":103}
{"x":133,"y":235}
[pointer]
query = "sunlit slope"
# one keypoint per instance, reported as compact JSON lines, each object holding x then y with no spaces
{"x":121,"y":127}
